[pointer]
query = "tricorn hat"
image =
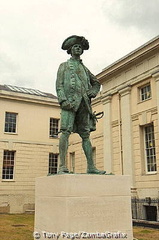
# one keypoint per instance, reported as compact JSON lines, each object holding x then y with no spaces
{"x":72,"y":40}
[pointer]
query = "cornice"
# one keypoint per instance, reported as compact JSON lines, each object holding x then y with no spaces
{"x":106,"y":98}
{"x":156,"y":76}
{"x":134,"y":80}
{"x":139,"y":53}
{"x":30,"y":99}
{"x":96,"y":101}
{"x":136,"y":116}
{"x":124,"y":91}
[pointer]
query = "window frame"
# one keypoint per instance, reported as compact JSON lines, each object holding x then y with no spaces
{"x":52,"y":166}
{"x":9,"y":123}
{"x":140,"y":92}
{"x":12,"y":165}
{"x":51,"y":128}
{"x":150,"y":149}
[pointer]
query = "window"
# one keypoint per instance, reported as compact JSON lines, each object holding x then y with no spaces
{"x":53,"y":163}
{"x":72,"y":162}
{"x":150,"y":152}
{"x":10,"y":122}
{"x":54,"y":127}
{"x":145,"y":92}
{"x":8,"y":164}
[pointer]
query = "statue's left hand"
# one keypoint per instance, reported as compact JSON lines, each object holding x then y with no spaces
{"x":91,"y":94}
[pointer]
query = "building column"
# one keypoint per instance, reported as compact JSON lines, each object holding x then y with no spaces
{"x":125,"y":108}
{"x":107,"y":135}
{"x":156,"y":77}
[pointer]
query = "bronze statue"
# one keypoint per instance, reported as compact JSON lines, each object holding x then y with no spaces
{"x":75,"y":87}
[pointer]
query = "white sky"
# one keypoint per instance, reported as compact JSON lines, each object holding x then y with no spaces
{"x":32,"y":32}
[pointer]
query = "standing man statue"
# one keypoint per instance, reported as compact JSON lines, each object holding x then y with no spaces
{"x":75,"y":87}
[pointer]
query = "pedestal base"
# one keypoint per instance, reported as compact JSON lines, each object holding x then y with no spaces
{"x":83,"y":204}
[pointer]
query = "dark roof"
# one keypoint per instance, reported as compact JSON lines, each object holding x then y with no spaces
{"x":26,"y":91}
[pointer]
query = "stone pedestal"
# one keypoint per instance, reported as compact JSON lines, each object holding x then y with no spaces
{"x":83,"y":204}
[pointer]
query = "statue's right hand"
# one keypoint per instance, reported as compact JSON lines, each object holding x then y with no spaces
{"x":66,"y":105}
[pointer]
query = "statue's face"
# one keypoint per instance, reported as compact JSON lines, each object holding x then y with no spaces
{"x":76,"y":50}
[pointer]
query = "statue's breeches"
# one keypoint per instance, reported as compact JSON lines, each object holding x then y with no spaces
{"x":78,"y":122}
